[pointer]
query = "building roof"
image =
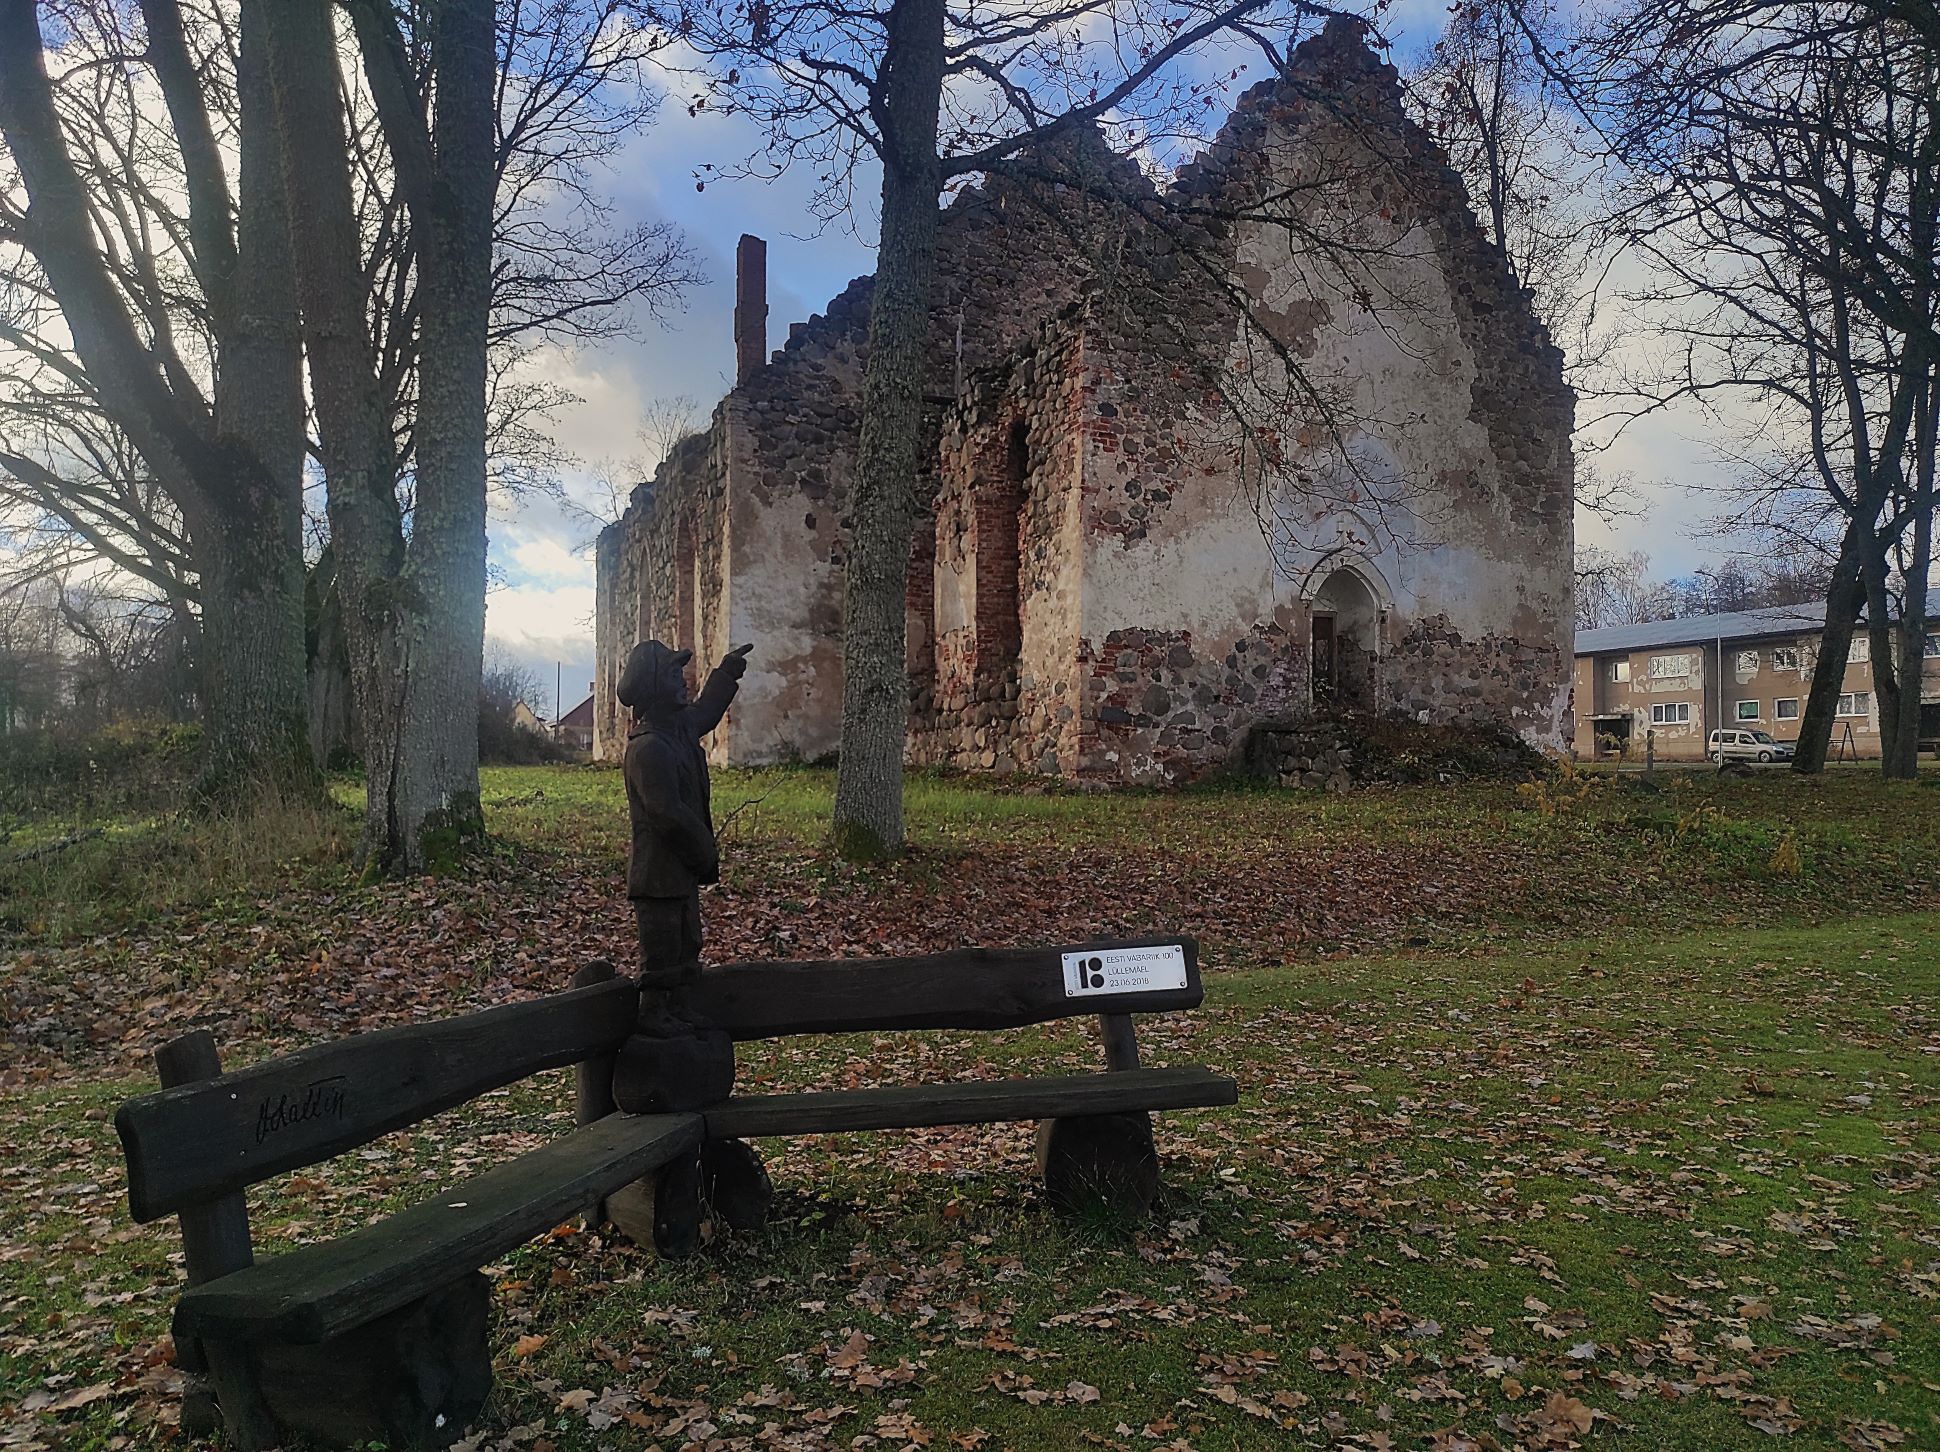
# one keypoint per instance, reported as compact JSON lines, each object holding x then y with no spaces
{"x":1698,"y":629}
{"x":1733,"y":625}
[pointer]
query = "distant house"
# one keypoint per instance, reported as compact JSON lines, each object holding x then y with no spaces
{"x":1748,"y":670}
{"x":575,"y":728}
{"x":527,"y":719}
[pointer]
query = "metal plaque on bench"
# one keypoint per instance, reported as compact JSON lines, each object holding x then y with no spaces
{"x":1155,"y":969}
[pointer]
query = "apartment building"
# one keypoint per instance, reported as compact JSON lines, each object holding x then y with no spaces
{"x":1748,"y":670}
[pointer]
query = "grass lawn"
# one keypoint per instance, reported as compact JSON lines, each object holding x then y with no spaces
{"x":1577,"y":1117}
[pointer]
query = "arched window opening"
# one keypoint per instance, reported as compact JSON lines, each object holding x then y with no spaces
{"x":1346,"y":643}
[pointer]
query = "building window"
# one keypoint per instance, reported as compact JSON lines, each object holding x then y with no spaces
{"x":1860,"y":649}
{"x":1785,"y":657}
{"x":1747,"y":710}
{"x":1747,"y":661}
{"x":1670,"y":713}
{"x":1666,"y":666}
{"x":1787,"y":708}
{"x":1620,"y":669}
{"x":1855,"y":703}
{"x":1932,"y":651}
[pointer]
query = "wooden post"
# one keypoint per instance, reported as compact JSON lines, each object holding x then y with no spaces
{"x":593,"y":1077}
{"x":215,"y":1242}
{"x":1121,"y":1040}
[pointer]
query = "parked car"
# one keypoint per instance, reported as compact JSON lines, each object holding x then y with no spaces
{"x":1749,"y":746}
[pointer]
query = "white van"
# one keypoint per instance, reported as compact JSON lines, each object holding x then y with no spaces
{"x":1748,"y":746}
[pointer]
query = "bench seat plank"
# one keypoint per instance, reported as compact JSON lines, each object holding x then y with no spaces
{"x":977,"y":1102}
{"x":315,"y":1292}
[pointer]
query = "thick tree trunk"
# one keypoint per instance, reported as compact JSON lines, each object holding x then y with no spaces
{"x":251,"y":667}
{"x":366,"y":527}
{"x":414,"y":613}
{"x":252,"y":556}
{"x":1835,"y":644}
{"x":437,"y":787}
{"x":884,"y":506}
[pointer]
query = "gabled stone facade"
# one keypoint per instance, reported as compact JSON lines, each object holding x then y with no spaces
{"x":1284,"y":434}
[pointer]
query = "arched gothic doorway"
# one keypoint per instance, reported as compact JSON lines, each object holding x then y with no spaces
{"x":1346,"y":642}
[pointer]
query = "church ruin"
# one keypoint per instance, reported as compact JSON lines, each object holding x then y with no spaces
{"x":1284,"y":435}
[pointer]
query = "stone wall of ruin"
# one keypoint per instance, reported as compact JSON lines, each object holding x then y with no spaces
{"x":788,"y":434}
{"x":1239,"y":401}
{"x":1247,"y":424}
{"x":998,"y":689}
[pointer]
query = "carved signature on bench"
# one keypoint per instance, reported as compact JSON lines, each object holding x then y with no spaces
{"x":323,"y":1099}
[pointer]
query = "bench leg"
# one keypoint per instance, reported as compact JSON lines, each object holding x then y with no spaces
{"x":413,"y":1378}
{"x":1091,"y":1159}
{"x":662,"y":1209}
{"x":735,"y":1184}
{"x":666,"y":1209}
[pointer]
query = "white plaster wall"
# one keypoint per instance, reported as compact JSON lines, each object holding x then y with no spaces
{"x":781,"y":574}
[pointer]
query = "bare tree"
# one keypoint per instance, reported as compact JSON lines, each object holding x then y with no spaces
{"x":568,"y":90}
{"x":1482,"y":93}
{"x":1781,"y":172}
{"x":932,"y":96}
{"x":1614,"y":589}
{"x":148,"y":283}
{"x":664,"y":422}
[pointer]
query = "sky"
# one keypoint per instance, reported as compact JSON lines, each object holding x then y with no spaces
{"x":539,"y":614}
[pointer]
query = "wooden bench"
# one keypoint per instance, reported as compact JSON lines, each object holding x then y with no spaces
{"x":1094,"y":1129}
{"x":381,"y":1334}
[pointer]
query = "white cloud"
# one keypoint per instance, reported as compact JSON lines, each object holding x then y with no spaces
{"x":531,"y":613}
{"x":550,"y":561}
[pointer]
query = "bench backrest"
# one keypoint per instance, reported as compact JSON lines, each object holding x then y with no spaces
{"x":970,"y":988}
{"x":193,"y":1143}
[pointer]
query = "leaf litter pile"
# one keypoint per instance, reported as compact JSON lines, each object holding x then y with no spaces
{"x":1537,"y":1147}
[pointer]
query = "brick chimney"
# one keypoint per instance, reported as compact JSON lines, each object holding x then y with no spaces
{"x":750,"y":306}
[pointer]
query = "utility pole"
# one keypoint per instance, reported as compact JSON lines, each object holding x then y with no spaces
{"x":558,"y":675}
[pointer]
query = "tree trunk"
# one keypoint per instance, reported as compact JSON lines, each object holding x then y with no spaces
{"x":884,"y":510}
{"x":366,"y":527}
{"x":1904,"y":762}
{"x":251,"y":667}
{"x":1835,"y":644}
{"x":252,"y":558}
{"x":414,"y":613}
{"x":1880,"y":652}
{"x":437,"y":787}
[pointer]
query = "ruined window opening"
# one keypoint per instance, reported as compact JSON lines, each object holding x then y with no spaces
{"x":1747,"y":660}
{"x":1620,"y":670}
{"x":1000,"y":527}
{"x":686,"y":621}
{"x":919,"y":615}
{"x":1785,"y":658}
